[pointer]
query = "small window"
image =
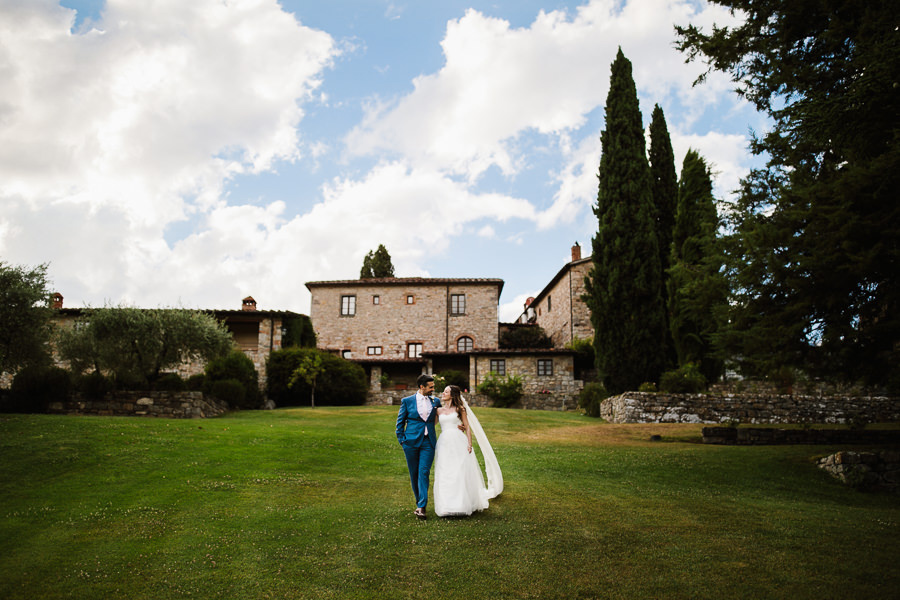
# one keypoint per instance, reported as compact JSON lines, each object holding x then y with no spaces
{"x":373,"y":350}
{"x":545,"y":366}
{"x":346,"y":353}
{"x":498,"y":366}
{"x":549,"y":303}
{"x":464,"y":344}
{"x":410,"y":299}
{"x":376,"y":299}
{"x":348,"y":306}
{"x":414,"y":350}
{"x":457,"y":304}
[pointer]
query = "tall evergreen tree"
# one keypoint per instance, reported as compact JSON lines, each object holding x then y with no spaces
{"x":697,"y":288}
{"x":665,"y":195}
{"x":815,"y":249}
{"x":624,"y":287}
{"x":377,"y":264}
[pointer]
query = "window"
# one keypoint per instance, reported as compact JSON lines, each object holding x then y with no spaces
{"x":464,"y":344}
{"x":498,"y":366}
{"x":346,"y":353}
{"x":373,"y":350}
{"x":545,"y":366}
{"x":414,"y":350}
{"x":457,"y":304}
{"x":410,"y":299}
{"x":549,"y":303}
{"x":348,"y":306}
{"x":376,"y":299}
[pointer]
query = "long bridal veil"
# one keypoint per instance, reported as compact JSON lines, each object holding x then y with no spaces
{"x":491,"y":466}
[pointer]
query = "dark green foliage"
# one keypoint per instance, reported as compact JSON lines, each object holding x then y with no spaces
{"x":196,"y":382}
{"x":504,"y":391}
{"x":24,"y":316}
{"x":235,"y":366}
{"x":530,"y":336}
{"x":697,"y":288}
{"x":451,"y":377}
{"x":815,"y":246}
{"x":624,"y":287}
{"x":590,"y":397}
{"x":35,"y":386}
{"x":298,"y":331}
{"x":649,"y":387}
{"x":170,"y":382}
{"x":230,"y":391}
{"x":584,"y":358}
{"x":686,"y":379}
{"x":342,"y":382}
{"x":664,"y":182}
{"x":94,"y":385}
{"x":377,"y":264}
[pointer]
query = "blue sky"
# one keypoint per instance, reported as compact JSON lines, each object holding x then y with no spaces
{"x":174,"y":153}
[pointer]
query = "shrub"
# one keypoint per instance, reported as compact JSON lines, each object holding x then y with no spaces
{"x":230,"y":391}
{"x":235,"y":366}
{"x":591,"y":396}
{"x":341,"y":383}
{"x":525,"y":336}
{"x":451,"y":377}
{"x":504,"y":391}
{"x":196,"y":382}
{"x":94,"y":385}
{"x":647,"y":386}
{"x":686,"y":379}
{"x":170,"y":382}
{"x":35,"y":387}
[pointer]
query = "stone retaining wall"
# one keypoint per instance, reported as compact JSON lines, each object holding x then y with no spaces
{"x":755,"y":436}
{"x":646,"y":407}
{"x":177,"y":405}
{"x":528,"y":401}
{"x":873,"y":471}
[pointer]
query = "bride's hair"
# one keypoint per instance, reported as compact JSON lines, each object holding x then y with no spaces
{"x":456,"y":400}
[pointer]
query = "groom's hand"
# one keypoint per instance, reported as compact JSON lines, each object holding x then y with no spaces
{"x":462,"y":428}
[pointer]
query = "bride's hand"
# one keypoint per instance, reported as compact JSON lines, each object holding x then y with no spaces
{"x":470,"y":448}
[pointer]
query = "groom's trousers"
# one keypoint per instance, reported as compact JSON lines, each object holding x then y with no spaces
{"x":419,"y":462}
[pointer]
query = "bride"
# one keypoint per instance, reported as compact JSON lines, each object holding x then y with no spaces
{"x":459,"y":487}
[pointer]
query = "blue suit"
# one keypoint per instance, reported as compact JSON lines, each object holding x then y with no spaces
{"x":418,"y":447}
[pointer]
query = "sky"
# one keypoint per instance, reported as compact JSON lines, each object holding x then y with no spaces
{"x":188,"y":154}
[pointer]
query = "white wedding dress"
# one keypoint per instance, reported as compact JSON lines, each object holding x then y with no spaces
{"x":459,"y":488}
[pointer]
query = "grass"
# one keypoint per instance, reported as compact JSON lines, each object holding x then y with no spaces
{"x":305,"y":503}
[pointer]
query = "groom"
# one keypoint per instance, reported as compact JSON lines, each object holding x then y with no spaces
{"x":415,"y":432}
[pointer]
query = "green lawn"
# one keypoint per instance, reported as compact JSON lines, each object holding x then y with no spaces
{"x":306,"y":503}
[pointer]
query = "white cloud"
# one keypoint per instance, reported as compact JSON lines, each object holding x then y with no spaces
{"x":510,"y":311}
{"x":486,"y":232}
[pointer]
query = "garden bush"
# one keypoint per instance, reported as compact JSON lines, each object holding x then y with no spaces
{"x":94,"y":385}
{"x":35,"y":387}
{"x":170,"y":382}
{"x":591,"y":396}
{"x":196,"y":382}
{"x":686,"y":379}
{"x":235,"y":366}
{"x":451,"y":377}
{"x":341,"y":383}
{"x":504,"y":391}
{"x":230,"y":391}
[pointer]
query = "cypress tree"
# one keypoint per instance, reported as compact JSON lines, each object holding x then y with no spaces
{"x":624,"y":286}
{"x":377,"y":264}
{"x":665,"y":195}
{"x":697,"y":288}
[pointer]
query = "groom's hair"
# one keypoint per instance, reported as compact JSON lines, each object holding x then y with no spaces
{"x":423,"y":380}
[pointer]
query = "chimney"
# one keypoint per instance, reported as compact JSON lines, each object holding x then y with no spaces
{"x":56,"y":300}
{"x":248,"y":304}
{"x":528,"y":301}
{"x":576,"y":252}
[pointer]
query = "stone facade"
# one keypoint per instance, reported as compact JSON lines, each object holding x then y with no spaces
{"x":524,"y":364}
{"x":362,"y":317}
{"x":558,"y":309}
{"x":645,"y":407}
{"x":528,"y":401}
{"x":175,"y":405}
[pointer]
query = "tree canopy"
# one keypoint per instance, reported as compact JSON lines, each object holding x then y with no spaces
{"x":24,"y":316}
{"x":814,"y":245}
{"x":624,"y":286}
{"x":377,"y":263}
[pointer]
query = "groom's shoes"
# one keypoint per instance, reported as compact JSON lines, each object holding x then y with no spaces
{"x":420,"y":514}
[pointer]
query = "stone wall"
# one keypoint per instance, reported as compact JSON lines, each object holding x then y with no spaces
{"x":872,"y":471}
{"x":644,"y":407}
{"x":758,"y":436}
{"x":177,"y":405}
{"x":528,"y":402}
